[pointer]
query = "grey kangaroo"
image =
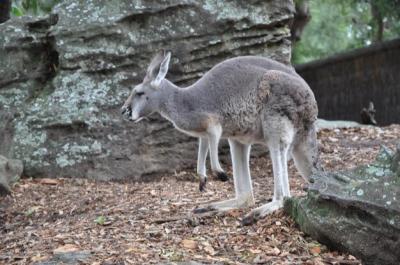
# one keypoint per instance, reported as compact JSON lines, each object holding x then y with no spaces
{"x":248,"y":100}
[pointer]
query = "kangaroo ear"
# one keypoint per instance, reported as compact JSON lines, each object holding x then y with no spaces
{"x":152,"y":70}
{"x":163,"y":70}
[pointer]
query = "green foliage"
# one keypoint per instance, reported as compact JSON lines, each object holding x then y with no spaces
{"x":340,"y":25}
{"x":100,"y":220}
{"x":17,"y":12}
{"x":31,"y":211}
{"x":33,"y":7}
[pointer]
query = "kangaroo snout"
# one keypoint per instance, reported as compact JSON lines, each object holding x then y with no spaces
{"x":126,"y":111}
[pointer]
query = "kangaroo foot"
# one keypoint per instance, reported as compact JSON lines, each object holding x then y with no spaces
{"x":227,"y":205}
{"x":261,"y":212}
{"x":202,"y":184}
{"x":222,"y":176}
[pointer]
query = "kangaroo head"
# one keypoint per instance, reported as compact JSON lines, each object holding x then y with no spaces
{"x":144,"y":98}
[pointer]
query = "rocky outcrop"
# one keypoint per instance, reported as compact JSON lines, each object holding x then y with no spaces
{"x":64,"y":78}
{"x":357,"y":211}
{"x":10,"y":172}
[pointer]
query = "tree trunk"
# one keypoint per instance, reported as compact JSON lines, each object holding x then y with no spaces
{"x":378,"y":21}
{"x":301,"y":19}
{"x":5,"y":9}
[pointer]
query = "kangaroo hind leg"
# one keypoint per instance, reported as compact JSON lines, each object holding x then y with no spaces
{"x":280,"y":137}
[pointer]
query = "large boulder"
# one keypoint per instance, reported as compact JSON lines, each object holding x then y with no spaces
{"x":10,"y":172}
{"x":357,"y":211}
{"x":64,"y":78}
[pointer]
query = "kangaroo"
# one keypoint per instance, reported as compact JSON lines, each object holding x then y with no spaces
{"x":204,"y":142}
{"x":243,"y":100}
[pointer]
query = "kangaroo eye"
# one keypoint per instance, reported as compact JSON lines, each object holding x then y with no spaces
{"x":139,"y":94}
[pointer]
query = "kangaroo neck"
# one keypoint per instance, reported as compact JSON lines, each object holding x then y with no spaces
{"x":171,"y":98}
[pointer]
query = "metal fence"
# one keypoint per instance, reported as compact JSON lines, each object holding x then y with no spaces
{"x":345,"y":83}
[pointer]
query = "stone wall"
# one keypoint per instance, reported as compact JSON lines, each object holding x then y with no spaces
{"x":64,"y":78}
{"x":345,"y":83}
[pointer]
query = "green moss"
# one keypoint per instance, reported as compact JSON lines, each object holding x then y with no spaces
{"x":292,"y":208}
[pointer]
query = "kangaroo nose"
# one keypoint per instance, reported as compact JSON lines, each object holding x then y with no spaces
{"x":126,"y":110}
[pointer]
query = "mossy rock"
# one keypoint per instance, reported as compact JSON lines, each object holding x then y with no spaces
{"x":356,"y":211}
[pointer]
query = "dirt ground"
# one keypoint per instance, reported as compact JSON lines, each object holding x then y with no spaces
{"x":151,"y":223}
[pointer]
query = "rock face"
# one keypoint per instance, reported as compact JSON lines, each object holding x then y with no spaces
{"x":356,"y":211}
{"x":10,"y":172}
{"x":64,"y":78}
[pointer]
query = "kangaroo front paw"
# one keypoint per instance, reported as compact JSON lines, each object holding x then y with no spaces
{"x":4,"y":190}
{"x":202,"y":184}
{"x":222,"y":176}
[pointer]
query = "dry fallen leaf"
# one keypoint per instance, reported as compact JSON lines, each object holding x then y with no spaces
{"x":318,"y":261}
{"x":189,"y":244}
{"x":132,"y":250}
{"x":332,"y":139}
{"x":66,"y":248}
{"x":130,"y":261}
{"x":255,"y":251}
{"x":38,"y":258}
{"x":47,"y":181}
{"x":273,"y":251}
{"x":234,"y":213}
{"x":315,"y":250}
{"x":210,"y":250}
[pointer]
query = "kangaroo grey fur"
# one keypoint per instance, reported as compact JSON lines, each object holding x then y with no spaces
{"x":243,"y":100}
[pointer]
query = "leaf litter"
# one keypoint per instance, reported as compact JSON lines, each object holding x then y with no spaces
{"x":152,"y":223}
